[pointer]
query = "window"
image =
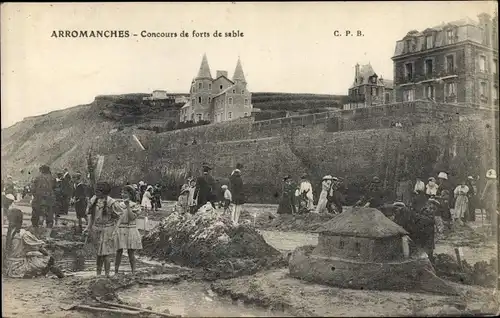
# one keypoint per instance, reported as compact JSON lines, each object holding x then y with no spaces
{"x":408,"y":95}
{"x":246,"y":114}
{"x":374,"y":91}
{"x":200,"y":116}
{"x":495,"y":66}
{"x":199,"y":85}
{"x":199,"y":100}
{"x":192,"y":116}
{"x":428,"y":67}
{"x":449,"y":36}
{"x":221,"y":116}
{"x":230,"y":100}
{"x":209,"y":85}
{"x":408,"y":46}
{"x":357,"y":246}
{"x":221,"y":87}
{"x":374,"y":80}
{"x":209,"y":100}
{"x":193,"y":101}
{"x":387,"y":98}
{"x":230,"y":115}
{"x":451,"y":89}
{"x":234,"y":91}
{"x":429,"y":42}
{"x":495,"y":93}
{"x":484,"y":89}
{"x":450,"y":63}
{"x":429,"y":92}
{"x":341,"y":244}
{"x":409,"y":71}
{"x":246,"y":101}
{"x":482,"y":63}
{"x":242,"y":92}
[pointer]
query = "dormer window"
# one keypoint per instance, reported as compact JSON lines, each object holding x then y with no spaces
{"x":200,"y":85}
{"x":429,"y":41}
{"x":408,"y":46}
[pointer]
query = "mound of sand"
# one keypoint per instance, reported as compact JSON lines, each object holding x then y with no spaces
{"x":481,"y":274}
{"x":209,"y":240}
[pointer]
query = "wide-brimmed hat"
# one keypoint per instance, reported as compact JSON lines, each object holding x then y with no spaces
{"x":431,"y":179}
{"x":399,"y":204}
{"x":443,"y":175}
{"x":470,"y":178}
{"x":224,"y":186}
{"x":491,"y":174}
{"x":286,"y":178}
{"x":141,"y":183}
{"x":10,"y":197}
{"x":376,"y":179}
{"x":327,"y":177}
{"x":335,"y":179}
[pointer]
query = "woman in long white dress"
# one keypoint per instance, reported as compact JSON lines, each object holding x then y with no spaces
{"x":461,"y":202}
{"x":146,"y":199}
{"x":326,"y":184}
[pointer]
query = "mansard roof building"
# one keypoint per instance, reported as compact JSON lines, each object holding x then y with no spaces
{"x":217,"y":99}
{"x":455,"y":62}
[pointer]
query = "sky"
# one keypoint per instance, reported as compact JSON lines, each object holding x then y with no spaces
{"x":286,"y":47}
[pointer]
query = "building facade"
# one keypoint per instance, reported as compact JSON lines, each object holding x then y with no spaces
{"x":217,"y":99}
{"x":368,"y":89}
{"x":456,"y":62}
{"x":159,"y":98}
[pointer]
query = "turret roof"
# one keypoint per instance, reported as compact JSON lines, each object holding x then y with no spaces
{"x":204,"y":71}
{"x":238,"y":72}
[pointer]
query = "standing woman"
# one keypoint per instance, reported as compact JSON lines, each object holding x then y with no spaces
{"x":461,"y":202}
{"x":489,"y":198}
{"x":126,"y":232}
{"x":326,"y":186}
{"x":104,"y":213}
{"x":146,"y":199}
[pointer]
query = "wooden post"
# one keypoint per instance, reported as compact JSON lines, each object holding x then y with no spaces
{"x":458,"y":254}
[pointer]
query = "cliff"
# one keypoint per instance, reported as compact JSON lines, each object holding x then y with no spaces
{"x":355,"y":145}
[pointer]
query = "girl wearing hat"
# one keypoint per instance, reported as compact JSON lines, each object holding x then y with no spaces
{"x":326,"y":185}
{"x":182,"y":205}
{"x":126,"y":232}
{"x":228,"y":198}
{"x":104,"y":213}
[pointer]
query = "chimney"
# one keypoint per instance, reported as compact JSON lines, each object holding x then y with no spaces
{"x":221,"y":73}
{"x":485,"y":23}
{"x":357,"y":70}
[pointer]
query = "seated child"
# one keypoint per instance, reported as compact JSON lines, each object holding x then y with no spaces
{"x":26,"y":256}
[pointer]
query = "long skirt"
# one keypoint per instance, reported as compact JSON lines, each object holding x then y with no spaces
{"x":80,"y":208}
{"x":103,"y":240}
{"x":287,"y":205}
{"x":322,"y":202}
{"x":128,"y":237}
{"x":438,"y":228}
{"x":461,"y":206}
{"x":31,"y":266}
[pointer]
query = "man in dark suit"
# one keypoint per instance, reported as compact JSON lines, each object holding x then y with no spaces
{"x":80,"y":197}
{"x":204,"y":188}
{"x":67,"y":191}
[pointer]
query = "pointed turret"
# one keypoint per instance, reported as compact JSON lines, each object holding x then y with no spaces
{"x":239,"y":76}
{"x":204,"y":71}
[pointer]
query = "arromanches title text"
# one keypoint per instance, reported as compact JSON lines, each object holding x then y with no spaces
{"x":144,"y":34}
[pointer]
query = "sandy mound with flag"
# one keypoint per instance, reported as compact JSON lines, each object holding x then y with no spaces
{"x":209,"y":240}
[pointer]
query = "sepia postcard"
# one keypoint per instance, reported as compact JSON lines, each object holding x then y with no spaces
{"x":250,"y":159}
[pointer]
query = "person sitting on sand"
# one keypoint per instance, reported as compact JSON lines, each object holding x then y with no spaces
{"x":26,"y":256}
{"x":126,"y":232}
{"x":104,"y":213}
